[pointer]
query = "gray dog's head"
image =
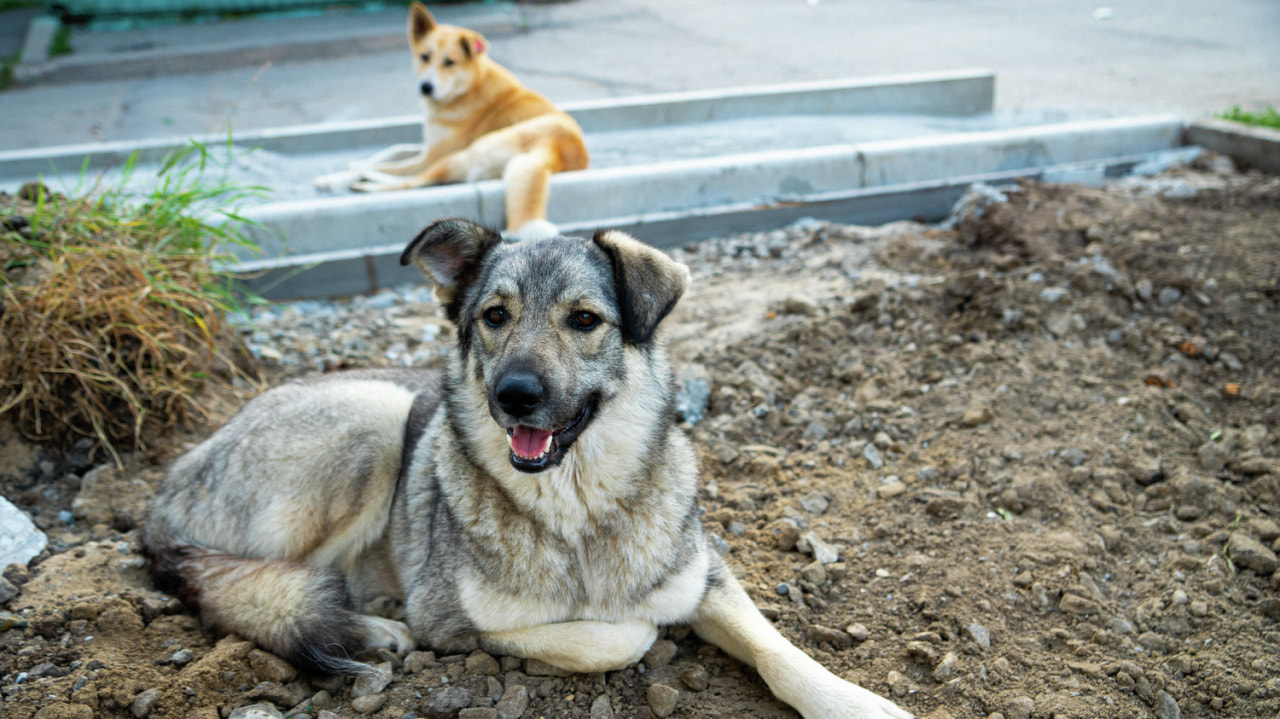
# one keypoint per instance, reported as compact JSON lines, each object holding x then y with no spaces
{"x":545,"y":326}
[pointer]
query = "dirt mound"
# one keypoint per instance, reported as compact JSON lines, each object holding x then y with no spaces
{"x":1028,"y":464}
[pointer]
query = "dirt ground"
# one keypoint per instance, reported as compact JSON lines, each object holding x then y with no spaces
{"x":1043,"y":443}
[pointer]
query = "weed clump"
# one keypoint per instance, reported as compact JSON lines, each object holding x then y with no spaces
{"x":112,"y":306}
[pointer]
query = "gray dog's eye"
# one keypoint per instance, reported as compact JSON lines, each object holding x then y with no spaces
{"x":584,"y":320}
{"x":495,"y":316}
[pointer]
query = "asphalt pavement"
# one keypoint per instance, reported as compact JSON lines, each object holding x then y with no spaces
{"x":1070,"y":57}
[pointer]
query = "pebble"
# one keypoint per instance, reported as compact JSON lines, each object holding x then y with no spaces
{"x":945,"y":668}
{"x":601,"y":708}
{"x":7,"y":591}
{"x":1073,"y":456}
{"x":181,"y":658}
{"x":372,"y":682}
{"x":662,"y":699}
{"x":873,"y":456}
{"x":416,"y":661}
{"x":446,"y":702}
{"x":927,"y":474}
{"x":1019,"y":708}
{"x":836,"y":638}
{"x":370,"y":703}
{"x":478,"y":713}
{"x":814,"y":503}
{"x":143,"y":703}
{"x":1168,"y":296}
{"x":890,"y":490}
{"x":979,"y":634}
{"x":660,"y":654}
{"x":695,"y":677}
{"x":270,"y":668}
{"x":823,"y":552}
{"x":480,"y":662}
{"x":256,"y":711}
{"x":859,"y":632}
{"x":1167,"y":707}
{"x":1249,"y":553}
{"x":513,"y":702}
{"x":1144,"y":290}
{"x":814,"y":572}
{"x":977,"y":415}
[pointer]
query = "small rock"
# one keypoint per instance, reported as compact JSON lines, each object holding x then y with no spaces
{"x":1168,"y":296}
{"x":416,"y":661}
{"x":979,"y":634}
{"x":1075,"y":604}
{"x":1144,"y":290}
{"x":859,"y":632}
{"x":181,"y":658}
{"x":478,"y":713}
{"x":270,"y":668}
{"x":660,"y":654}
{"x":1213,"y":456}
{"x":1146,"y":470}
{"x":1167,"y":707}
{"x":890,"y":490}
{"x":836,"y":638}
{"x":1074,"y":457}
{"x":447,"y":702}
{"x":256,"y":711}
{"x":945,"y":668}
{"x":814,"y":503}
{"x":823,"y":552}
{"x":1269,"y":608}
{"x":372,"y":682}
{"x":977,"y":415}
{"x":662,"y":699}
{"x":20,"y":541}
{"x":144,"y":703}
{"x":1019,"y":708}
{"x":513,"y":702}
{"x":1249,"y":553}
{"x":814,"y":572}
{"x":480,"y":662}
{"x":816,"y":432}
{"x":7,"y":591}
{"x":898,"y":684}
{"x":370,"y":703}
{"x":873,"y":456}
{"x":695,"y":677}
{"x":927,"y":474}
{"x":601,"y":708}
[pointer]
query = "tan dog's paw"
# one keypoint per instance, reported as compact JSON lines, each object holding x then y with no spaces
{"x":389,"y":634}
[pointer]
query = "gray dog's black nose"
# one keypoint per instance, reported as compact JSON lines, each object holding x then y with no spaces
{"x":519,"y":393}
{"x":426,"y":87}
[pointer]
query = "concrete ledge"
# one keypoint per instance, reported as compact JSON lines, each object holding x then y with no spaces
{"x":592,"y":196}
{"x":964,"y":92}
{"x":1254,"y":146}
{"x":369,"y":269}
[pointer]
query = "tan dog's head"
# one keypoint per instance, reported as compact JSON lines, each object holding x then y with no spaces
{"x":445,"y":57}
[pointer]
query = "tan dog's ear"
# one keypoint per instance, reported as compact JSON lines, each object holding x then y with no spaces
{"x":473,"y":44}
{"x":647,"y":281}
{"x":449,"y":252}
{"x":420,"y":22}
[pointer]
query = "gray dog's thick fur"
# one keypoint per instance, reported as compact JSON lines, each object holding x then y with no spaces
{"x":536,"y":499}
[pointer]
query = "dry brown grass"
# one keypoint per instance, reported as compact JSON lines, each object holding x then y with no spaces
{"x":113,"y":313}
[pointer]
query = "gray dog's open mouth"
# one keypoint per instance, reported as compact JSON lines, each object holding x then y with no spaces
{"x":534,"y":449}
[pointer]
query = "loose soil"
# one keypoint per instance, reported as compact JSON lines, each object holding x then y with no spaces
{"x":1044,"y":440}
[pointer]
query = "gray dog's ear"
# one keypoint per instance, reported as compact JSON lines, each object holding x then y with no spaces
{"x":448,"y":251}
{"x":648,"y":283}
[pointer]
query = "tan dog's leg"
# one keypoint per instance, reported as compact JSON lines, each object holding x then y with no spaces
{"x":527,"y":181}
{"x":728,"y":618}
{"x":583,"y":646}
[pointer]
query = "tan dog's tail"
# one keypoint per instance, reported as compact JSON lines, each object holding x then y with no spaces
{"x":295,"y":610}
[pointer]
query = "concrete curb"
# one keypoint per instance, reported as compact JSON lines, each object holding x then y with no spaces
{"x":350,"y":244}
{"x":92,"y":67}
{"x":363,"y":270}
{"x":1255,"y":146}
{"x":955,"y":93}
{"x":355,"y":221}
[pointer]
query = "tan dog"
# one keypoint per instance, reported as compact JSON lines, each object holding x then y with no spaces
{"x":481,"y":124}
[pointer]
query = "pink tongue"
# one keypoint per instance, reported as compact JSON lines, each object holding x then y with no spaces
{"x":530,"y":443}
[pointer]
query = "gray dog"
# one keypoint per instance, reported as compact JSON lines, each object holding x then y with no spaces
{"x":536,"y":500}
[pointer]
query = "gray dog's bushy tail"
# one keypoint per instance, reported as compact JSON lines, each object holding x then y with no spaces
{"x":292,"y":609}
